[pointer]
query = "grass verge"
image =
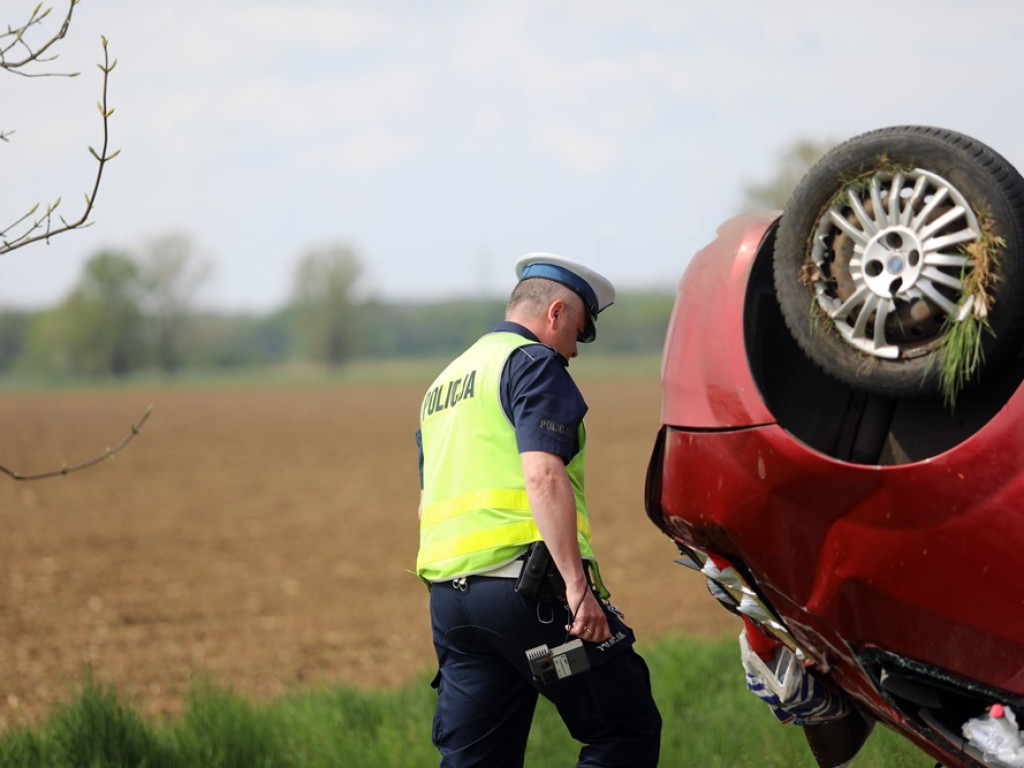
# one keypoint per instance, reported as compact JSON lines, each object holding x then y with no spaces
{"x":710,"y":720}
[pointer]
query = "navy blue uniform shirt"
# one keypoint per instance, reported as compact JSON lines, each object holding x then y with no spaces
{"x":539,"y":397}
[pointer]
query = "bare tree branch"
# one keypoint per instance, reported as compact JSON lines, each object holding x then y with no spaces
{"x":16,"y":53}
{"x":66,"y":469}
{"x":13,"y":40}
{"x":28,"y":229}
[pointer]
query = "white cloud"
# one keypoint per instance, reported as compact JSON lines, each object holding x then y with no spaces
{"x":297,"y":27}
{"x":585,"y":154}
{"x":363,"y":151}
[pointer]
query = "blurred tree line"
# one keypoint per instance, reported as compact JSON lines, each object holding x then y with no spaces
{"x":131,"y":313}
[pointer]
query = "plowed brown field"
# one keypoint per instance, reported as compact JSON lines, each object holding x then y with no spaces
{"x":262,"y":540}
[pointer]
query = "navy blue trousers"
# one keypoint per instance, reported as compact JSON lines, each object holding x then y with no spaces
{"x":486,"y":694}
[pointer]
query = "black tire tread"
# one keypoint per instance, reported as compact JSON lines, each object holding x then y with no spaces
{"x":1004,"y":187}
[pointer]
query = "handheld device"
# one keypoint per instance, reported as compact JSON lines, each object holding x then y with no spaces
{"x":551,"y":664}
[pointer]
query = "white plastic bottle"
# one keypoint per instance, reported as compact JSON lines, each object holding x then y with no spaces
{"x":996,"y":734}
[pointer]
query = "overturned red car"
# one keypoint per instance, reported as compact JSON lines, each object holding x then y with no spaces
{"x":842,"y":444}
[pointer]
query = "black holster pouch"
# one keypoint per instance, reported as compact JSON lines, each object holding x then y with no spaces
{"x":539,"y":576}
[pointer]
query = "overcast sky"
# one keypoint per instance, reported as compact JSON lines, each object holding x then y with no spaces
{"x":443,"y":139}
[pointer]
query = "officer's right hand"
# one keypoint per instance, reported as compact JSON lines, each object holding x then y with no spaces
{"x":590,"y":623}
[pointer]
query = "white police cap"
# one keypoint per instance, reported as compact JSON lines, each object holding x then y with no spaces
{"x":594,"y":289}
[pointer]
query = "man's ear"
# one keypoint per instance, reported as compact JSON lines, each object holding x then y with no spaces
{"x":556,"y":313}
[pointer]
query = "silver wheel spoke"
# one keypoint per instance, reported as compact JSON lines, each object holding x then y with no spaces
{"x":951,"y":215}
{"x":915,"y":195}
{"x":894,"y":197}
{"x":963,"y":236}
{"x":862,"y":215}
{"x":945,"y":260}
{"x":851,"y":303}
{"x":841,"y":222}
{"x":930,"y":206}
{"x":885,"y":306}
{"x":866,"y":313}
{"x":942,"y":278}
{"x":929,"y":290}
{"x":876,"y":203}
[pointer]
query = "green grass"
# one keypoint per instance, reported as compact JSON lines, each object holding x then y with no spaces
{"x":710,"y":721}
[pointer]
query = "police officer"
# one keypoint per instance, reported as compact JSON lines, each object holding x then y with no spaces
{"x":502,"y":448}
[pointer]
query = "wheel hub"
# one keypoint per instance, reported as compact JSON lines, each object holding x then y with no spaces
{"x":892,"y":263}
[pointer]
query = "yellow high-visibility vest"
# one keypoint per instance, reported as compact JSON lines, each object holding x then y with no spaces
{"x":475,"y":515}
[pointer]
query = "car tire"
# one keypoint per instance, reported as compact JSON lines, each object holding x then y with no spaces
{"x":887,"y":236}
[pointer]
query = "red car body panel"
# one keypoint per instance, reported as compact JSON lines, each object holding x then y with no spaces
{"x":922,"y":560}
{"x":706,"y":382}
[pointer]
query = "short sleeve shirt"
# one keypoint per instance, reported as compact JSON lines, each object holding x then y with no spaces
{"x":539,"y":397}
